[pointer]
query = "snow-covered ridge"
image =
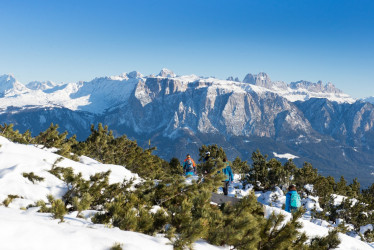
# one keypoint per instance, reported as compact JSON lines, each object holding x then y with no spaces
{"x":103,"y":93}
{"x":95,"y":96}
{"x":369,"y":99}
{"x":300,"y":90}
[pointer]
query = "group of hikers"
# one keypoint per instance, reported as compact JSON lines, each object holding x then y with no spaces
{"x":293,"y":200}
{"x":189,"y":168}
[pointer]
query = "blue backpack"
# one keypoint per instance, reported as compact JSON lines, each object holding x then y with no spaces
{"x":295,"y":200}
{"x":189,"y":166}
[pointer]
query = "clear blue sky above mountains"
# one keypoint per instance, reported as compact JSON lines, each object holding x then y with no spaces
{"x":67,"y":41}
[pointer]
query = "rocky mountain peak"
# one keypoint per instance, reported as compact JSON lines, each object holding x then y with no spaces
{"x":329,"y":87}
{"x":166,"y":73}
{"x":315,"y":87}
{"x":261,"y":79}
{"x":249,"y":78}
{"x":231,"y":78}
{"x":36,"y":85}
{"x":134,"y":74}
{"x":9,"y":83}
{"x":7,"y":78}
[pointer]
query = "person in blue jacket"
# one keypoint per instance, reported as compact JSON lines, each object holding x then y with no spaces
{"x":293,"y":201}
{"x":229,"y":176}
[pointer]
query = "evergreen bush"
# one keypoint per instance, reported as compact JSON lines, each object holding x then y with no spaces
{"x":32,"y":177}
{"x":58,"y":209}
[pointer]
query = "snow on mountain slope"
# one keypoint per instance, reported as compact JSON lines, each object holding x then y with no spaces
{"x":95,"y":96}
{"x":16,"y":159}
{"x":302,"y":94}
{"x":369,"y":99}
{"x":285,"y":156}
{"x":104,"y":93}
{"x":35,"y":231}
{"x":313,"y":230}
{"x":35,"y":85}
{"x":27,"y":229}
{"x":166,"y":73}
{"x":10,"y":86}
{"x":300,"y":90}
{"x":273,"y":201}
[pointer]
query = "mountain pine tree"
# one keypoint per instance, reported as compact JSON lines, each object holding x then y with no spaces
{"x":214,"y":150}
{"x":7,"y":131}
{"x":175,"y":166}
{"x":258,"y":174}
{"x":81,"y":204}
{"x":290,"y":170}
{"x":240,"y":167}
{"x":277,"y":175}
{"x":354,"y":189}
{"x":331,"y":241}
{"x":277,"y":235}
{"x":66,"y":148}
{"x":341,"y":186}
{"x":58,"y":210}
{"x":32,"y":177}
{"x":51,"y":137}
{"x":306,"y":175}
{"x":237,"y":226}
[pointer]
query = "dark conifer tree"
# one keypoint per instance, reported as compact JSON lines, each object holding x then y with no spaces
{"x":240,"y":167}
{"x":341,"y":186}
{"x":51,"y":137}
{"x":175,"y":166}
{"x":258,"y":174}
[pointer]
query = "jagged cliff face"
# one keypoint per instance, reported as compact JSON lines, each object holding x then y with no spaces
{"x":204,"y":107}
{"x":352,"y":124}
{"x":180,"y":113}
{"x":315,"y":87}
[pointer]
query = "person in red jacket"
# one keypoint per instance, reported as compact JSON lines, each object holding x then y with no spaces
{"x":189,"y":166}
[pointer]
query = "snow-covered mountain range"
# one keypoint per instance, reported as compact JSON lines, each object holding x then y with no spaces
{"x":315,"y":122}
{"x":103,"y":93}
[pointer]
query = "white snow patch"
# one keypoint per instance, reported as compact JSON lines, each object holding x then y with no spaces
{"x":285,"y":156}
{"x":338,"y":199}
{"x":363,"y":229}
{"x":16,"y":159}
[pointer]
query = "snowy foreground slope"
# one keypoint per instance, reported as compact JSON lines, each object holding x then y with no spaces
{"x":22,"y":228}
{"x":27,"y":229}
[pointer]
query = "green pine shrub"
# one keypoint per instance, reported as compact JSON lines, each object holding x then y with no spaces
{"x":58,"y":210}
{"x":274,"y":235}
{"x":32,"y":177}
{"x":81,"y":204}
{"x":331,"y":241}
{"x":9,"y":199}
{"x":51,"y":137}
{"x":43,"y":207}
{"x":240,"y":167}
{"x":117,"y":246}
{"x":7,"y":131}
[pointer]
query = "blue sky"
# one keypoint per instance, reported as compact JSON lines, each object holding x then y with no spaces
{"x":66,"y":41}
